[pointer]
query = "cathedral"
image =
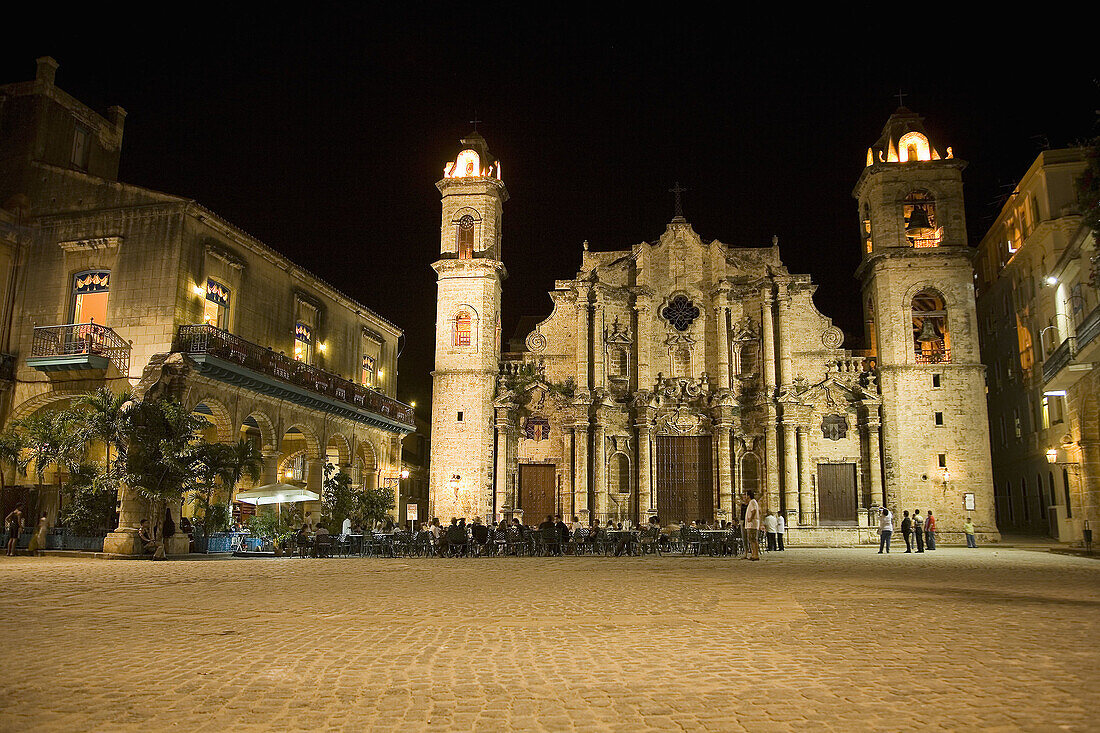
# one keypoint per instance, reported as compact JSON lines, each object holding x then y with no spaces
{"x":677,"y":373}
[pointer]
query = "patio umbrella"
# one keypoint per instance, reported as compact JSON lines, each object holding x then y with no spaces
{"x":278,"y":493}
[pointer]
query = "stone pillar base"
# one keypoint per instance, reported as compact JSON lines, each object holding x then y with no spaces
{"x":122,"y":542}
{"x":177,"y":544}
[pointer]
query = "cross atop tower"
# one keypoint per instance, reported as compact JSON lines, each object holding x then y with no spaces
{"x":676,"y":190}
{"x":901,"y":97}
{"x":475,"y":121}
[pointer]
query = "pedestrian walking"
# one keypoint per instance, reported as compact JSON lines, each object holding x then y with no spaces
{"x":907,"y":530}
{"x":918,"y":530}
{"x":14,"y":522}
{"x":38,"y":539}
{"x":752,"y":524}
{"x":780,"y":529}
{"x":885,"y":530}
{"x":770,"y":527}
{"x":930,"y":531}
{"x":968,"y":529}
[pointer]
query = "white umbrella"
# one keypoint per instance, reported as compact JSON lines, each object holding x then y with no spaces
{"x":277,"y":494}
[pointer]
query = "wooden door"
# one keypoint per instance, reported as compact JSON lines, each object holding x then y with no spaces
{"x":836,"y":493}
{"x":685,"y":490}
{"x":536,"y":491}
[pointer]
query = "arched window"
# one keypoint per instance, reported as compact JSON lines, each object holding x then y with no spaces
{"x":931,"y":340}
{"x":462,"y":328}
{"x":865,"y":228}
{"x":1039,"y":495}
{"x":465,"y":238}
{"x":618,"y":474}
{"x":914,"y":146}
{"x":750,"y":473}
{"x":617,"y":363}
{"x":921,"y":225}
{"x":681,"y":362}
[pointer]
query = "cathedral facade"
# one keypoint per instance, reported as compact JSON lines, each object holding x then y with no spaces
{"x":673,"y":375}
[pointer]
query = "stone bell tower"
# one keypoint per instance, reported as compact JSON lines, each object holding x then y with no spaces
{"x":467,"y":333}
{"x":918,"y":300}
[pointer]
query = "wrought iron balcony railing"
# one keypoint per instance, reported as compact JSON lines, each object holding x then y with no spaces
{"x":75,"y":339}
{"x":206,"y":339}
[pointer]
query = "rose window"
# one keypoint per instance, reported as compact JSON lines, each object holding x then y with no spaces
{"x":680,"y":312}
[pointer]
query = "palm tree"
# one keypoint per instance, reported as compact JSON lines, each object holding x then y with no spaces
{"x":105,"y":419}
{"x":11,"y":454}
{"x":54,"y":438}
{"x":239,"y":460}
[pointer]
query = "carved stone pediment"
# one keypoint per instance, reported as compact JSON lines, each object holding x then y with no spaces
{"x":743,"y":330}
{"x":617,"y":334}
{"x":682,"y":421}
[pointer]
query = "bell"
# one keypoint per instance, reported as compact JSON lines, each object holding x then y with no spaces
{"x":919,"y":227}
{"x":927,"y":331}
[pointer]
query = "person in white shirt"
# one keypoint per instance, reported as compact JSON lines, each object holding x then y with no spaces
{"x":885,"y":530}
{"x":752,"y":524}
{"x":769,"y":528}
{"x":780,"y":529}
{"x":345,"y":528}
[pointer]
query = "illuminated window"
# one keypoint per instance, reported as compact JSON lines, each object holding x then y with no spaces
{"x":216,"y":306}
{"x":931,"y":340}
{"x":921,"y":227}
{"x":681,"y":362}
{"x":914,"y":146}
{"x":368,"y":371}
{"x":82,"y":143}
{"x":90,"y":291}
{"x":303,"y":343}
{"x":465,"y":237}
{"x":462,"y":329}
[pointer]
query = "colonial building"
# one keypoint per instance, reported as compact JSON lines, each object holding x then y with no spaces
{"x":110,"y":283}
{"x":676,"y":373}
{"x":1037,"y":306}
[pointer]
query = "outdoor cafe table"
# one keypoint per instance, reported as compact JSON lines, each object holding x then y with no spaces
{"x":616,"y":536}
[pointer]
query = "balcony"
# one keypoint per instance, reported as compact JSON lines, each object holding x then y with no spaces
{"x":228,"y":358}
{"x":1074,"y":357}
{"x":87,"y":350}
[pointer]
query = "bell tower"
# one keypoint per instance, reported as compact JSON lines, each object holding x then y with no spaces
{"x":467,"y":333}
{"x":918,"y":298}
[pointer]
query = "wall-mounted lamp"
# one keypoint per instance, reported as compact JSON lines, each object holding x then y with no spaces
{"x":198,"y":290}
{"x":1050,"y":280}
{"x":1052,"y":455}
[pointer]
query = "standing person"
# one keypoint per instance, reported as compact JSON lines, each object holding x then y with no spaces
{"x":780,"y":530}
{"x":968,"y":529}
{"x":885,"y":530}
{"x":930,"y":531}
{"x":752,"y":524}
{"x":907,"y":530}
{"x":38,"y":539}
{"x":770,"y":527}
{"x":918,"y":530}
{"x":14,"y":522}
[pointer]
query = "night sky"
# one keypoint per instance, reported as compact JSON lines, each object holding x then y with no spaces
{"x":323,"y":134}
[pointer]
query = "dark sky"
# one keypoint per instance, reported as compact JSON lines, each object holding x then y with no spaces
{"x":323,"y":132}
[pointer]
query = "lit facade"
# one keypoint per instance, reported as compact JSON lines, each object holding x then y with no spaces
{"x":132,"y":288}
{"x":1037,"y":307}
{"x":674,"y":374}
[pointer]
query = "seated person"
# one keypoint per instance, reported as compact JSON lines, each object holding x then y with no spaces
{"x":547,"y":523}
{"x":145,"y":537}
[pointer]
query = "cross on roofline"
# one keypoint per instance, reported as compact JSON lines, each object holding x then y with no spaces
{"x":676,"y":190}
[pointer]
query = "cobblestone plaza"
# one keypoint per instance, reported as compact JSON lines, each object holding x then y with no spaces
{"x":842,"y":639}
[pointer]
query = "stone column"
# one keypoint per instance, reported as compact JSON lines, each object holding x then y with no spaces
{"x":270,"y":473}
{"x":723,"y":345}
{"x":769,"y":342}
{"x":806,"y":508}
{"x":568,"y":499}
{"x":131,"y":510}
{"x":599,"y":479}
{"x":645,"y":501}
{"x":790,"y":469}
{"x":599,"y":352}
{"x":314,"y":483}
{"x":582,"y":340}
{"x":580,"y":470}
{"x":769,"y":472}
{"x":874,"y":428}
{"x":641,"y":342}
{"x":501,"y":467}
{"x":784,"y":375}
{"x":725,"y":475}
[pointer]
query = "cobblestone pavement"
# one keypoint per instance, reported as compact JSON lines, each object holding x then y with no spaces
{"x":840,"y":639}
